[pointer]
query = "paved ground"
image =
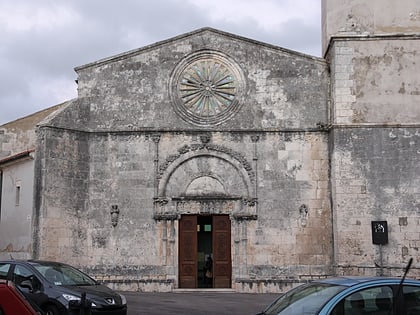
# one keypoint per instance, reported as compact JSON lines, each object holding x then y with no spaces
{"x":196,"y":303}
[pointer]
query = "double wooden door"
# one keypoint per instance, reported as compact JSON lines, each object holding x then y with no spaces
{"x":221,"y":251}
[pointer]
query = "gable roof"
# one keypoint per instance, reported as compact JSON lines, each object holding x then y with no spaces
{"x":30,"y":121}
{"x":191,"y":34}
{"x":16,"y":158}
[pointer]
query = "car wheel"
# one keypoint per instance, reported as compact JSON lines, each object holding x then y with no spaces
{"x":51,"y":310}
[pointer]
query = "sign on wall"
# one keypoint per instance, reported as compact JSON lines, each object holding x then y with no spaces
{"x":380,"y":232}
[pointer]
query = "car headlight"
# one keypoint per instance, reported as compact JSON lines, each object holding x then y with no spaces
{"x":70,"y":297}
{"x":123,"y":299}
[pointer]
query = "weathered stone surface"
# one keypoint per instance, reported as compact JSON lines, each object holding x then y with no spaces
{"x":121,"y":145}
{"x":300,"y":153}
{"x":378,"y":180}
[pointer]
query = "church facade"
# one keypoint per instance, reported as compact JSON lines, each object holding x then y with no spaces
{"x":281,"y":167}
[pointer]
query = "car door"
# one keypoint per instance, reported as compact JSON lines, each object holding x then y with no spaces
{"x":411,"y":298}
{"x":377,"y":300}
{"x":12,"y":302}
{"x":29,"y":284}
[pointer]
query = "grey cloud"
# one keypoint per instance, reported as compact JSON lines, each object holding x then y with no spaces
{"x":33,"y":60}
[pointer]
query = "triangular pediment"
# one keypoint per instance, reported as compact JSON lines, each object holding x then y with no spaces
{"x":203,"y":79}
{"x":201,"y":32}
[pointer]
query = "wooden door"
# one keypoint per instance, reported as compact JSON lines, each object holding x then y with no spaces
{"x":188,"y":251}
{"x":222,"y":263}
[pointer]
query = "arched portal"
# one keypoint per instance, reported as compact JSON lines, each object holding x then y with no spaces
{"x":207,"y":191}
{"x":205,"y":237}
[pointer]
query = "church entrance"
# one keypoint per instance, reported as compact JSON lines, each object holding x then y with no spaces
{"x":205,"y":251}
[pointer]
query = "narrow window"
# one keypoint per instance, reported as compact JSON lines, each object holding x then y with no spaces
{"x":17,"y":197}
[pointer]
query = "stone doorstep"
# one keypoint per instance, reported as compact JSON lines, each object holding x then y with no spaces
{"x":203,"y":290}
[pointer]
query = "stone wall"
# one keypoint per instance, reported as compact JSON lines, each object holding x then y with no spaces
{"x":375,"y":150}
{"x":375,"y":178}
{"x":132,"y":91}
{"x":379,"y":17}
{"x":289,"y":242}
{"x":300,"y":181}
{"x":122,"y":161}
{"x":61,"y":195}
{"x":375,"y":81}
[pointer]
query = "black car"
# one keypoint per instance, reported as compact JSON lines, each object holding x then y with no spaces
{"x":59,"y":288}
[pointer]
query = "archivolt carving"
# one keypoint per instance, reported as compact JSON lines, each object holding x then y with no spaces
{"x":183,"y":171}
{"x":208,"y":147}
{"x":205,"y":178}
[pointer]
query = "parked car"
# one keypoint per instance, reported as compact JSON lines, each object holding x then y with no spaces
{"x":57,"y":288}
{"x":13,"y":302}
{"x":350,"y":296}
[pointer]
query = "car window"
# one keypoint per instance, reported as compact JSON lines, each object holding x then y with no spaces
{"x":64,"y":275}
{"x":21,"y":273}
{"x":376,"y":300}
{"x":4,"y":269}
{"x":412,"y":299}
{"x":305,"y":299}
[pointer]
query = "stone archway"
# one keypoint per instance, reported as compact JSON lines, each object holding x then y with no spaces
{"x":212,"y":181}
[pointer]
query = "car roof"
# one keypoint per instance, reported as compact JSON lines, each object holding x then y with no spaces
{"x":349,"y":281}
{"x":33,"y":262}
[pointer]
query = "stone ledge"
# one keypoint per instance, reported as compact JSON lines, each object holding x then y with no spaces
{"x":143,"y":281}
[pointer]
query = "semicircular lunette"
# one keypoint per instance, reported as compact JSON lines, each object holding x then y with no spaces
{"x":205,"y":186}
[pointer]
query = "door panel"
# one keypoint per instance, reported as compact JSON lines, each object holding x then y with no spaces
{"x":222,"y":264}
{"x":188,"y":251}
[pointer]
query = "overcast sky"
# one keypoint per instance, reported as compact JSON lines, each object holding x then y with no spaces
{"x":42,"y":41}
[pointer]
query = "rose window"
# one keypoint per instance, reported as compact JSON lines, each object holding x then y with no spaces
{"x":206,"y":89}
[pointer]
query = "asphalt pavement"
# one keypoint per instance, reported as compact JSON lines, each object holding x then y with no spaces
{"x":196,"y":303}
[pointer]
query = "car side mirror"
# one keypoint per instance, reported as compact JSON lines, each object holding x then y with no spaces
{"x":27,"y":284}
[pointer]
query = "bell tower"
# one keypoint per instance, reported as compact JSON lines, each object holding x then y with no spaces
{"x":373,"y":51}
{"x":368,"y":18}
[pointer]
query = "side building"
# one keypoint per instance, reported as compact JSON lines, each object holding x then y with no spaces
{"x":17,"y":151}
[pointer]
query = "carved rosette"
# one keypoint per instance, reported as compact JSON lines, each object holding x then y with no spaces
{"x":206,"y":88}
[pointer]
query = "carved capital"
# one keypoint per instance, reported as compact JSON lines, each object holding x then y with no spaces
{"x":155,"y":138}
{"x":255,"y":138}
{"x":205,"y":138}
{"x":160,"y":201}
{"x":251,"y":202}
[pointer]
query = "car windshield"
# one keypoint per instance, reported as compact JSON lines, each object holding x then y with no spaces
{"x":304,"y":300}
{"x":64,"y":275}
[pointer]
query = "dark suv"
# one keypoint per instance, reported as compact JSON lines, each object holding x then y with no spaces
{"x":57,"y":288}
